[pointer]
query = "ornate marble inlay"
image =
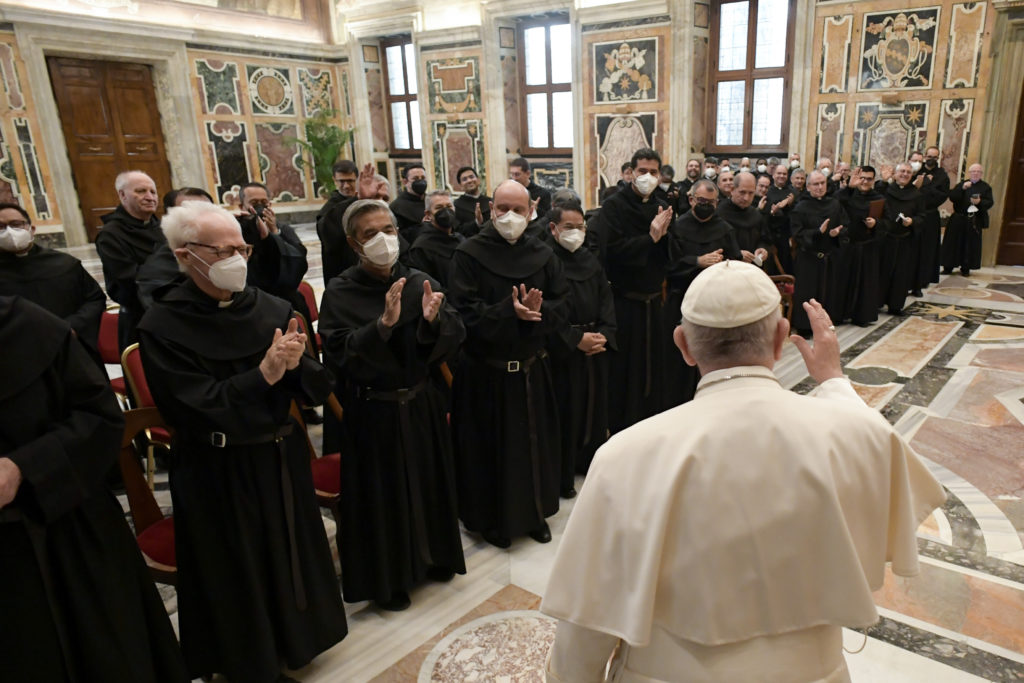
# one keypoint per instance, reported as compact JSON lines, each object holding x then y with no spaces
{"x":511,"y":647}
{"x":458,"y":143}
{"x":270,"y":91}
{"x":316,"y":90}
{"x":835,"y":53}
{"x":965,"y":33}
{"x":617,"y":138}
{"x":219,"y":86}
{"x":897,"y":49}
{"x":626,"y":71}
{"x":453,"y":85}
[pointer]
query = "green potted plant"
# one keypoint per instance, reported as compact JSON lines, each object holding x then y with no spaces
{"x":324,"y":141}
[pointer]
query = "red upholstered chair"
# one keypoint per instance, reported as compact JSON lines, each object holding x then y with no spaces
{"x":109,"y":353}
{"x":153,"y":532}
{"x":304,"y":328}
{"x":306,"y":290}
{"x":327,"y":468}
{"x":131,"y":365}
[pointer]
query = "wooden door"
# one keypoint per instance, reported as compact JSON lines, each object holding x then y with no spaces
{"x":1011,"y":237}
{"x":111,"y":124}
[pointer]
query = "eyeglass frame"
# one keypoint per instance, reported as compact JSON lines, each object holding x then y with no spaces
{"x":20,"y":224}
{"x":244,"y":250}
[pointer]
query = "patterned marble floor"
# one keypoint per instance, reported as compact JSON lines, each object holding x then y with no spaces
{"x":950,"y":376}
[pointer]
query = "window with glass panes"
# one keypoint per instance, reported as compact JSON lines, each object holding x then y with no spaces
{"x":751,"y":69}
{"x":545,"y":74}
{"x":400,"y":95}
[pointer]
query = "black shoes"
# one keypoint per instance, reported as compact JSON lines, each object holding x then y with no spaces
{"x":541,"y":535}
{"x":440,"y":574}
{"x":496,"y":540}
{"x":568,"y":493}
{"x":396,"y":603}
{"x":917,"y":292}
{"x":965,"y":272}
{"x":947,"y":271}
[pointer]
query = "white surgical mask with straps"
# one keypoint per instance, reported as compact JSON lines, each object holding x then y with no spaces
{"x":15,"y":239}
{"x":381,"y":249}
{"x":571,"y":239}
{"x":645,"y":183}
{"x":226,"y":274}
{"x":510,"y":225}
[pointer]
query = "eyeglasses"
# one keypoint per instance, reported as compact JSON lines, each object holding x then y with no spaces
{"x":244,"y":250}
{"x":19,"y":225}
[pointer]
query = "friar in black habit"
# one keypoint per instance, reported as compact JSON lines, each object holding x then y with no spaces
{"x":77,"y":602}
{"x":961,"y":245}
{"x":386,"y":327}
{"x":857,"y":266}
{"x":902,"y":216}
{"x":256,"y":584}
{"x":512,"y":294}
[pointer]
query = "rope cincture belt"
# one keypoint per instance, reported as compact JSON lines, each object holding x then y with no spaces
{"x":591,"y":384}
{"x":646,"y":300}
{"x":412,"y":475}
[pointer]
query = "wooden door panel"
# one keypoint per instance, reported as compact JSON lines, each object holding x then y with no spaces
{"x":111,"y":124}
{"x":1011,"y":236}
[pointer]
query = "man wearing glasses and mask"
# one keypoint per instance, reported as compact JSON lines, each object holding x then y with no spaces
{"x":224,"y":361}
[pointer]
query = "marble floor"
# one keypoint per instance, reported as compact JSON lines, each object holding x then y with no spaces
{"x":949,"y":376}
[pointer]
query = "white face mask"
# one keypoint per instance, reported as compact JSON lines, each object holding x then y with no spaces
{"x":761,"y":168}
{"x":510,"y":225}
{"x":645,"y":183}
{"x":826,"y":171}
{"x":915,"y":166}
{"x":664,"y":186}
{"x":15,"y":239}
{"x":571,"y":239}
{"x":709,"y":172}
{"x":228,"y":274}
{"x":745,"y":169}
{"x":381,"y":249}
{"x":794,"y":163}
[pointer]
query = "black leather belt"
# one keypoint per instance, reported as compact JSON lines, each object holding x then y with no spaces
{"x":403,"y":395}
{"x":514,"y":365}
{"x":222,"y":440}
{"x":640,"y":296}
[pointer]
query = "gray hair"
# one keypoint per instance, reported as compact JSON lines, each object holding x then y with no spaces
{"x":565,"y":195}
{"x":903,"y":163}
{"x":705,"y":183}
{"x":181,"y":223}
{"x":732,"y":346}
{"x":816,"y":172}
{"x":435,"y":193}
{"x":361,"y":207}
{"x":122,"y":178}
{"x":382,"y":179}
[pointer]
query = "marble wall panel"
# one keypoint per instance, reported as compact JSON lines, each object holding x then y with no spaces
{"x":453,"y":85}
{"x":829,"y":133}
{"x":625,"y":71}
{"x":510,"y":79}
{"x":278,"y":160}
{"x":458,"y":143}
{"x":965,"y":38}
{"x":954,"y":135}
{"x":617,"y":138}
{"x":30,"y":163}
{"x":554,"y":175}
{"x":9,"y":74}
{"x":897,"y":49}
{"x":270,"y":90}
{"x":317,"y":89}
{"x":698,"y":91}
{"x":884,"y":135}
{"x":9,"y":191}
{"x":835,"y":54}
{"x":219,"y":88}
{"x":228,"y":142}
{"x":375,"y":97}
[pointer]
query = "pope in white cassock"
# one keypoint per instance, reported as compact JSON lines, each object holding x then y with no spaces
{"x":731,"y":538}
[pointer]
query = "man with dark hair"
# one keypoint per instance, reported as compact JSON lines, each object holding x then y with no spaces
{"x":738,"y":210}
{"x":184,"y":194}
{"x":129,"y":235}
{"x":432,"y":252}
{"x":857,"y":266}
{"x":682,"y":203}
{"x":961,"y":245}
{"x":637,"y":259}
{"x":408,"y":205}
{"x":49,"y":278}
{"x":472,"y":207}
{"x":505,"y":423}
{"x":711,"y":168}
{"x":579,"y":365}
{"x":933,"y":182}
{"x":626,"y":176}
{"x":779,"y":202}
{"x":519,"y":171}
{"x":278,"y":260}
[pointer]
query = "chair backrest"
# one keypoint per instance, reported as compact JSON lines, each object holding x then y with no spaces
{"x":143,"y":506}
{"x":131,"y":365}
{"x":331,"y":403}
{"x":306,"y":290}
{"x":786,"y":285}
{"x":107,"y":342}
{"x":304,"y":328}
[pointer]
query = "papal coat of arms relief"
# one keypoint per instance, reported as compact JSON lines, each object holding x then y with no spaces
{"x":898,"y":48}
{"x":629,"y":71}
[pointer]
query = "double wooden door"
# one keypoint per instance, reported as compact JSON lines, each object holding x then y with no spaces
{"x":1011,"y":235}
{"x":111,"y":124}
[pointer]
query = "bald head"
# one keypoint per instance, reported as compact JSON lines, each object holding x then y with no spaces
{"x":137,"y":193}
{"x":510,"y":195}
{"x":743,"y":188}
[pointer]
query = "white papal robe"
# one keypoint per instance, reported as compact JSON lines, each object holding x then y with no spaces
{"x":731,"y":538}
